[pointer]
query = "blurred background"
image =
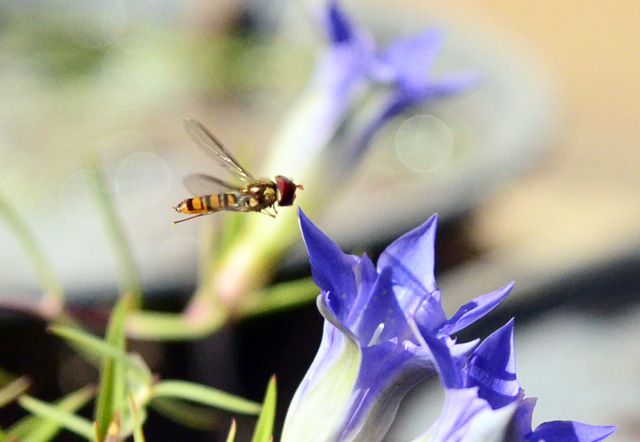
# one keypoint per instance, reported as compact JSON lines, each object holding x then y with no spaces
{"x":535,"y":174}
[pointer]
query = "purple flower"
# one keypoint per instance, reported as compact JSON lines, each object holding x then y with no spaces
{"x":402,"y":66}
{"x":350,"y":68}
{"x":483,"y":397}
{"x":369,"y":357}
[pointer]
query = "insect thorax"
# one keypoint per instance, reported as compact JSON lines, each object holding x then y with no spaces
{"x":261,"y":194}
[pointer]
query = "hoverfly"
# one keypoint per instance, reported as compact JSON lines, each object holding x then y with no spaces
{"x":213,"y":195}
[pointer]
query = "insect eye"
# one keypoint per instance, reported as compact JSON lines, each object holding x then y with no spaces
{"x":287,"y":190}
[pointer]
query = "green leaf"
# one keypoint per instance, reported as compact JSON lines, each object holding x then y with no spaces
{"x":111,"y":393}
{"x":124,"y":257}
{"x":48,"y":279}
{"x":138,"y":435}
{"x":186,"y":414}
{"x":264,"y":427}
{"x":205,"y":395}
{"x":12,"y":390}
{"x":37,"y":429}
{"x":231,"y":436}
{"x":63,"y":418}
{"x":88,"y":343}
{"x":91,"y":348}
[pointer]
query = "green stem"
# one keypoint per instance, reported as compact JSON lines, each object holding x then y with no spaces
{"x":11,"y":391}
{"x":161,"y":326}
{"x":170,"y":326}
{"x":124,"y":257}
{"x":284,"y":296}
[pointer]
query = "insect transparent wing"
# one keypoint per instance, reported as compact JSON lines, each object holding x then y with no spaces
{"x":207,"y":141}
{"x":200,"y":184}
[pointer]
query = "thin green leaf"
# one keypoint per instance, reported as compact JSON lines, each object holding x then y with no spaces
{"x":88,"y":343}
{"x":264,"y":427}
{"x":282,"y":296}
{"x":12,"y":390}
{"x":111,"y":393}
{"x":186,"y":414}
{"x":231,"y":436}
{"x":138,"y":435}
{"x":48,"y":279}
{"x":205,"y":395}
{"x":94,"y":350}
{"x":124,"y":257}
{"x":37,"y":429}
{"x":63,"y":418}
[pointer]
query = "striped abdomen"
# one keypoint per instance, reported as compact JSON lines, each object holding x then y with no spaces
{"x":208,"y":203}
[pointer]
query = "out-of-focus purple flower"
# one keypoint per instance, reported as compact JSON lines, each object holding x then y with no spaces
{"x":483,"y":400}
{"x":350,"y":67}
{"x":403,"y":66}
{"x":341,"y":72}
{"x":369,"y":356}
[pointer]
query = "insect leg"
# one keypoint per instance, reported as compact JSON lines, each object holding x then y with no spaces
{"x":191,"y":217}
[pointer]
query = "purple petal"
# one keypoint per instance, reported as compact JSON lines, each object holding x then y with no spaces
{"x":411,"y":262}
{"x":403,"y":99}
{"x":492,"y":368}
{"x":366,"y":276}
{"x":521,"y":423}
{"x":476,"y":309}
{"x":464,"y":415}
{"x":569,"y":431}
{"x":382,"y":310}
{"x":430,"y":315}
{"x":388,"y":372}
{"x":332,"y":270}
{"x":452,"y":85}
{"x":338,"y":24}
{"x":406,"y":98}
{"x":445,"y":364}
{"x":408,"y":60}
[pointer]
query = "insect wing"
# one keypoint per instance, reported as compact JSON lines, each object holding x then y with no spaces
{"x":199,"y":184}
{"x":207,"y":141}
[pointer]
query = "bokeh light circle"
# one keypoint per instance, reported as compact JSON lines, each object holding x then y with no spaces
{"x":423,"y":143}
